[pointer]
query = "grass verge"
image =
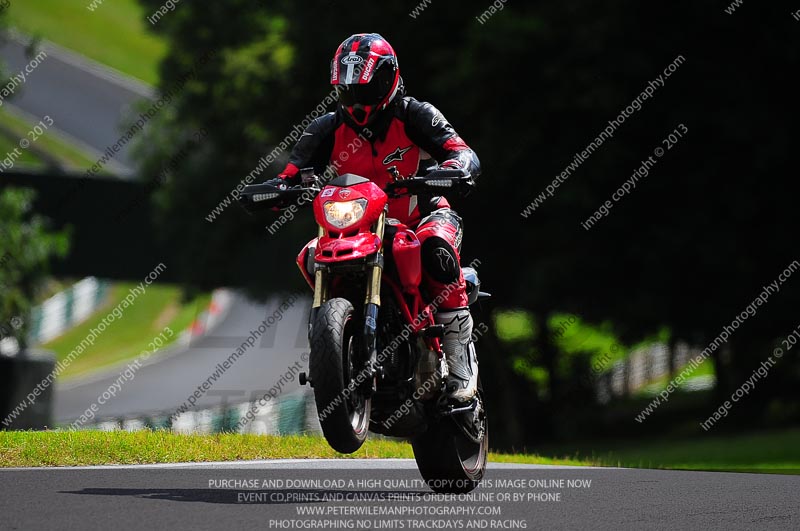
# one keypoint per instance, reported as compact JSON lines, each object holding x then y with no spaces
{"x":7,"y":146}
{"x":114,"y":34}
{"x":128,"y":336}
{"x":80,"y":448}
{"x":764,"y":452}
{"x":13,"y":128}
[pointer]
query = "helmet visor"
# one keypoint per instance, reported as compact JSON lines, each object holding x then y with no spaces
{"x":351,"y":95}
{"x":371,"y":93}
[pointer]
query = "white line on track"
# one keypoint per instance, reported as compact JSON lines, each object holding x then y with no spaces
{"x":305,"y":464}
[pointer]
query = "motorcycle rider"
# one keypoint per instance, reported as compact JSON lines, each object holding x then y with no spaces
{"x":375,"y":132}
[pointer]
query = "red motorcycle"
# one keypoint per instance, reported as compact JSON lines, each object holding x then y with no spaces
{"x":376,"y":361}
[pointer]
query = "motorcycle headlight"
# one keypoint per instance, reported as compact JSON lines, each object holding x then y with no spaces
{"x":342,"y":214}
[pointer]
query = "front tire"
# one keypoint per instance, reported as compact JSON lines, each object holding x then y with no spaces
{"x":343,"y":411}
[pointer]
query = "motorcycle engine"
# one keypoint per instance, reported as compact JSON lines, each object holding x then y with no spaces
{"x":396,"y":364}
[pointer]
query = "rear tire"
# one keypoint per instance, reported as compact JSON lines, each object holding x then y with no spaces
{"x":343,"y":412}
{"x":449,"y":461}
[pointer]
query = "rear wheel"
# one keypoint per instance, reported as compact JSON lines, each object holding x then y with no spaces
{"x":342,"y":409}
{"x":450,"y":458}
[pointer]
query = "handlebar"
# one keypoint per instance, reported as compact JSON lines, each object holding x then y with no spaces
{"x":266,"y":196}
{"x":434,"y":183}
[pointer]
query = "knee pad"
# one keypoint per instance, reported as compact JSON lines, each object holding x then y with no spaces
{"x":440,"y":260}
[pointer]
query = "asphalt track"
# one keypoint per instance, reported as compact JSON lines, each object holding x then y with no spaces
{"x":169,"y":378}
{"x":204,"y":496}
{"x":88,"y":103}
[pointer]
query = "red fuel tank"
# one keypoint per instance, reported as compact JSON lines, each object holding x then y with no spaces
{"x":406,"y":251}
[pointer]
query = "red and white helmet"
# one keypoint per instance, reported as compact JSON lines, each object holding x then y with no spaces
{"x":366,"y":75}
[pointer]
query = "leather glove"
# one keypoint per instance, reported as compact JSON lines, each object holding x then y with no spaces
{"x":451,"y":164}
{"x":464,"y":187}
{"x":278,"y":182}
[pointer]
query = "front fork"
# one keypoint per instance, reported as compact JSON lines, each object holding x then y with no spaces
{"x":372,"y":304}
{"x":320,"y":289}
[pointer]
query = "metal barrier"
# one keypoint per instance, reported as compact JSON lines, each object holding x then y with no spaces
{"x":66,"y":309}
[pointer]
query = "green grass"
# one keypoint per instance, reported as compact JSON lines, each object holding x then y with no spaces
{"x":77,"y":448}
{"x":115,"y":33}
{"x":773,"y":451}
{"x":126,"y":338}
{"x":8,"y":145}
{"x":66,"y":155}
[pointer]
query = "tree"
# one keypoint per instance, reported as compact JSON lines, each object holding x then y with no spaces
{"x":26,"y":247}
{"x":687,"y":250}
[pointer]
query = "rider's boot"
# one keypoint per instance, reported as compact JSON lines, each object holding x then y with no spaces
{"x":462,"y":381}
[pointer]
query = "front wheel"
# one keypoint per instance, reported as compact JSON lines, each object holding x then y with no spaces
{"x":449,"y":459}
{"x":342,"y":408}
